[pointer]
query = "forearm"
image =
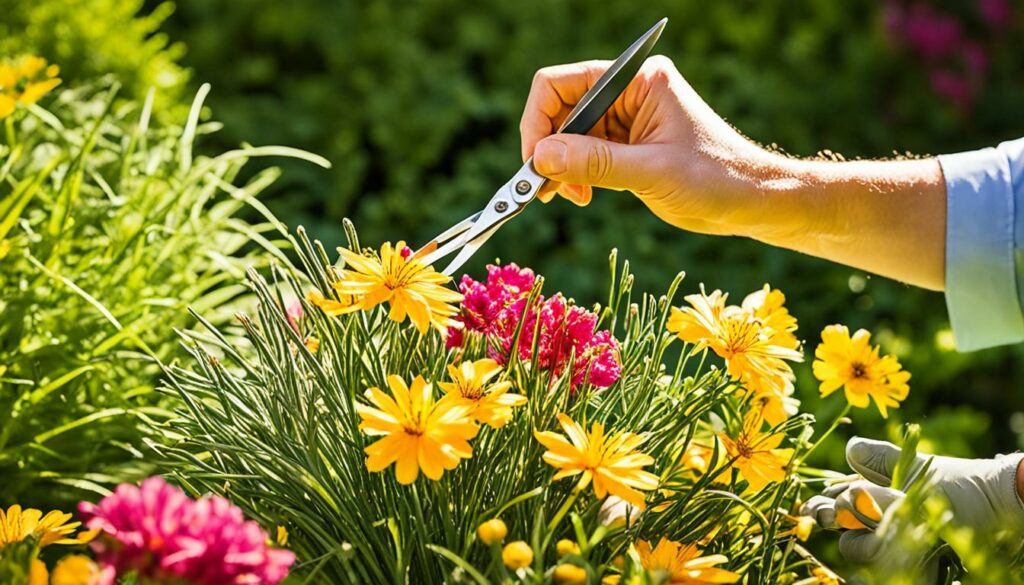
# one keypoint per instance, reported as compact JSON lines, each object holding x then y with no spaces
{"x":886,"y":217}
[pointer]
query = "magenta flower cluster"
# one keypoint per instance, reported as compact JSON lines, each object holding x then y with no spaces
{"x":566,"y":333}
{"x":956,"y":61}
{"x":164,"y":536}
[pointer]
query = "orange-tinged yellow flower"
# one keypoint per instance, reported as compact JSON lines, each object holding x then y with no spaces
{"x":37,"y":573}
{"x":492,"y":531}
{"x":419,"y":433}
{"x":757,"y":455}
{"x":611,"y":462}
{"x":517,"y":555}
{"x":17,"y":524}
{"x":25,"y":81}
{"x":346,"y":304}
{"x":755,"y":353}
{"x":682,"y":564}
{"x":569,"y":574}
{"x":566,"y":547}
{"x":820,"y":576}
{"x":411,"y":289}
{"x":852,"y":363}
{"x":767,"y":305}
{"x":775,"y":404}
{"x":488,"y":403}
{"x":75,"y":570}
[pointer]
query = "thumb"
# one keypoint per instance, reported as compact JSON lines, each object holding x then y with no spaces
{"x":585,"y":160}
{"x":875,"y":460}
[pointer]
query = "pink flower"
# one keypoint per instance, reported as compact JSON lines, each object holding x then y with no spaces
{"x":997,"y":13}
{"x":932,"y":34}
{"x":566,"y":332}
{"x":954,"y":86}
{"x":294,"y":314}
{"x":162,"y":534}
{"x":485,"y":300}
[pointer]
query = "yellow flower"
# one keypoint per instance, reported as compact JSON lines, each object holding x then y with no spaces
{"x":802,"y":527}
{"x":820,"y":576}
{"x":610,"y":461}
{"x":757,"y":455}
{"x":517,"y":555}
{"x":568,"y":574}
{"x":25,"y":81}
{"x":492,"y":531}
{"x":755,"y":353}
{"x":683,"y":564}
{"x":567,"y":547}
{"x":776,"y":404}
{"x":330,"y":306}
{"x":488,"y":404}
{"x":767,"y":306}
{"x":419,"y":433}
{"x":37,"y":573}
{"x":75,"y":570}
{"x":410,"y":287}
{"x":852,"y":363}
{"x":282,"y":536}
{"x":17,"y":524}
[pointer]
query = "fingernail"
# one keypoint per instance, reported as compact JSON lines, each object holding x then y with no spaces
{"x":550,"y":157}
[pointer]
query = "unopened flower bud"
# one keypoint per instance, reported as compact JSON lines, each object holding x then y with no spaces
{"x":492,"y":531}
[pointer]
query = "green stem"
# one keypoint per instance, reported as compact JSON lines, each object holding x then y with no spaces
{"x":825,"y":435}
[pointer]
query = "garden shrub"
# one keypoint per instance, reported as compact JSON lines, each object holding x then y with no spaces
{"x":418,"y":106}
{"x":111,"y":228}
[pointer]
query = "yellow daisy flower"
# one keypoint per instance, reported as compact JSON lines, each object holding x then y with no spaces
{"x":25,"y":81}
{"x":489,"y":404}
{"x":682,"y":564}
{"x":755,"y":354}
{"x":767,"y":306}
{"x":17,"y":524}
{"x":331,"y":307}
{"x":757,"y":455}
{"x":418,"y":433}
{"x":775,"y":404}
{"x":611,"y":462}
{"x":410,"y":287}
{"x":820,"y":576}
{"x":853,"y":364}
{"x":75,"y":570}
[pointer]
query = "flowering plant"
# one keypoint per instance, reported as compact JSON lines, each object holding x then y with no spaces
{"x":153,"y":534}
{"x":504,"y":435}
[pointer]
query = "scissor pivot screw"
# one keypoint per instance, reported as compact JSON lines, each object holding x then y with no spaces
{"x":501,"y":206}
{"x":523,"y":187}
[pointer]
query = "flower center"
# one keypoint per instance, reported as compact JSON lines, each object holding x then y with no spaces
{"x":858,"y":370}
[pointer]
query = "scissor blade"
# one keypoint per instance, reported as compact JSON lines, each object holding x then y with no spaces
{"x":428,"y":254}
{"x":468,"y":250}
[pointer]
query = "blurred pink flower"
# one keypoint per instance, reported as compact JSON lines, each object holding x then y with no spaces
{"x":932,"y":34}
{"x":294,"y":314}
{"x":164,"y":535}
{"x":996,"y":13}
{"x":954,"y":86}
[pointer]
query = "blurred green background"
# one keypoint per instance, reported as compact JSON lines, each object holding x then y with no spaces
{"x":417,"y":106}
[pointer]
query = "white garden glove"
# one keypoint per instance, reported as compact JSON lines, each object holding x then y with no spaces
{"x":982,"y":493}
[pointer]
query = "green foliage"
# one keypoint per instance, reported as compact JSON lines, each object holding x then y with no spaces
{"x":89,"y":39}
{"x":110,"y":229}
{"x":274,"y":426}
{"x":417,"y":104}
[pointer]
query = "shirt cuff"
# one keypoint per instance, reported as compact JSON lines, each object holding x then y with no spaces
{"x":981,"y":275}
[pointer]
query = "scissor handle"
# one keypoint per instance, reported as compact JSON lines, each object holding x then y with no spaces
{"x":611,"y":84}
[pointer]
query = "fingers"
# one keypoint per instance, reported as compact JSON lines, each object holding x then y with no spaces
{"x":822,"y":509}
{"x":875,"y":460}
{"x":585,"y":160}
{"x":555,"y":90}
{"x":860,"y":546}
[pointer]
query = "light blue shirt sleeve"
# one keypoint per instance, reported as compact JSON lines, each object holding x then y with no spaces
{"x":985,"y":245}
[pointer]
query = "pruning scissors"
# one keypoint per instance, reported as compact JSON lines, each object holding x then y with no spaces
{"x":512,"y":198}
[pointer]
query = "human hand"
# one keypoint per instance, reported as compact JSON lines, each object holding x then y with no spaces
{"x":658,"y":140}
{"x":982,"y":494}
